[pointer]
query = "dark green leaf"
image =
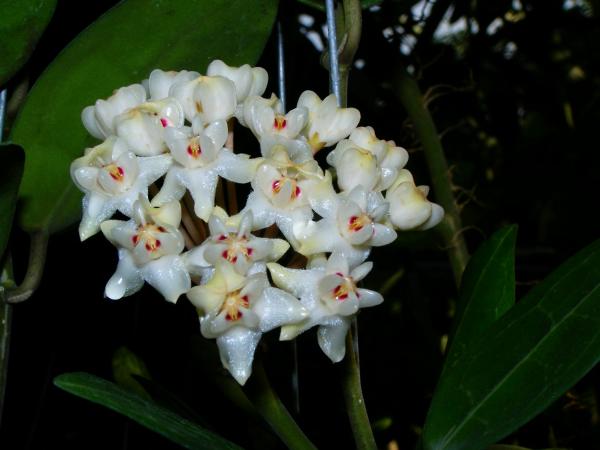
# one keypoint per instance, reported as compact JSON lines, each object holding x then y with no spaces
{"x":525,"y":361}
{"x":487,"y":290}
{"x":121,"y":48}
{"x":143,"y":411}
{"x":320,"y":4}
{"x":21,"y":25}
{"x":11,"y":169}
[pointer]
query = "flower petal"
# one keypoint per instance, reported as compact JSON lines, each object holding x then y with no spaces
{"x":169,"y":276}
{"x":332,"y":337}
{"x":276,"y":308}
{"x":127,"y":279}
{"x":236,"y":349}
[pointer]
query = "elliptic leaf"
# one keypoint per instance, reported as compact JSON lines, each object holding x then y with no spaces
{"x":143,"y":411}
{"x":120,"y":48}
{"x":487,"y":290}
{"x":523,"y":362}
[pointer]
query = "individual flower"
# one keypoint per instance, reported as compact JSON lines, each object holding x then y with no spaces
{"x":210,"y":98}
{"x":266,"y":118}
{"x":160,"y":82}
{"x":352,"y":225}
{"x":112,"y":178}
{"x":98,"y":119}
{"x":330,"y":295}
{"x":283,"y":191}
{"x":327,"y":123}
{"x":248,"y":80}
{"x":200,"y":159}
{"x":237,"y":310}
{"x":143,"y":126}
{"x":409,"y":207}
{"x":230,"y":242}
{"x":364,"y":160}
{"x":149,"y":246}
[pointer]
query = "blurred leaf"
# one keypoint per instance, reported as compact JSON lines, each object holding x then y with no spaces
{"x":11,"y":166}
{"x":21,"y":25}
{"x":141,"y":410}
{"x":487,"y":290}
{"x":125,"y":366}
{"x":525,"y":361}
{"x":320,"y":4}
{"x":506,"y":447}
{"x":516,"y":447}
{"x":121,"y":48}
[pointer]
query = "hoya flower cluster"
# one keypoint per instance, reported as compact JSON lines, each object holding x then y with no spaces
{"x":171,"y":136}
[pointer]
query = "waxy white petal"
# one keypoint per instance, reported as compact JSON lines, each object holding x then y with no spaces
{"x":236,"y":349}
{"x":276,"y":308}
{"x":332,"y":337}
{"x":169,"y":276}
{"x":127,"y":279}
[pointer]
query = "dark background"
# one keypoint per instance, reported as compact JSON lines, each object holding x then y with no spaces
{"x":517,"y":107}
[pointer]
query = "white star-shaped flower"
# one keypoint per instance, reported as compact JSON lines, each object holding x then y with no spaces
{"x":150,"y":247}
{"x":327,"y":124}
{"x":364,"y":160}
{"x":200,"y":159}
{"x":248,"y":80}
{"x":352,"y":225}
{"x":112,"y":178}
{"x":160,"y":81}
{"x":230,"y":242}
{"x":284,"y":189}
{"x":210,"y":98}
{"x":98,"y":119}
{"x":143,"y":126}
{"x":409,"y":207}
{"x":237,"y":310}
{"x":330,"y":295}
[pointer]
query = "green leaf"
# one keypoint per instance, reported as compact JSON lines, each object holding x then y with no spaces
{"x":143,"y":411}
{"x":121,"y":48}
{"x":21,"y":25}
{"x":525,"y":361}
{"x":487,"y":290}
{"x":11,"y":168}
{"x":320,"y":4}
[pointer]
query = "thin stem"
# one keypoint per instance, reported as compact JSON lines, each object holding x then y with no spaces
{"x":348,"y":32}
{"x":270,"y":407}
{"x":200,"y":226}
{"x":355,"y":403}
{"x":5,"y":328}
{"x":190,"y":225}
{"x":35,"y":268}
{"x":410,"y":96}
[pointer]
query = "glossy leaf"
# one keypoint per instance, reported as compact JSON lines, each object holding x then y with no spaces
{"x":121,"y":48}
{"x":525,"y":361}
{"x":143,"y":411}
{"x":487,"y":290}
{"x":11,"y":169}
{"x":21,"y":25}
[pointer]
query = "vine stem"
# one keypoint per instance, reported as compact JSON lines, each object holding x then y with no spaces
{"x":412,"y":99}
{"x":346,"y":28}
{"x":35,"y":269}
{"x":269,"y":406}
